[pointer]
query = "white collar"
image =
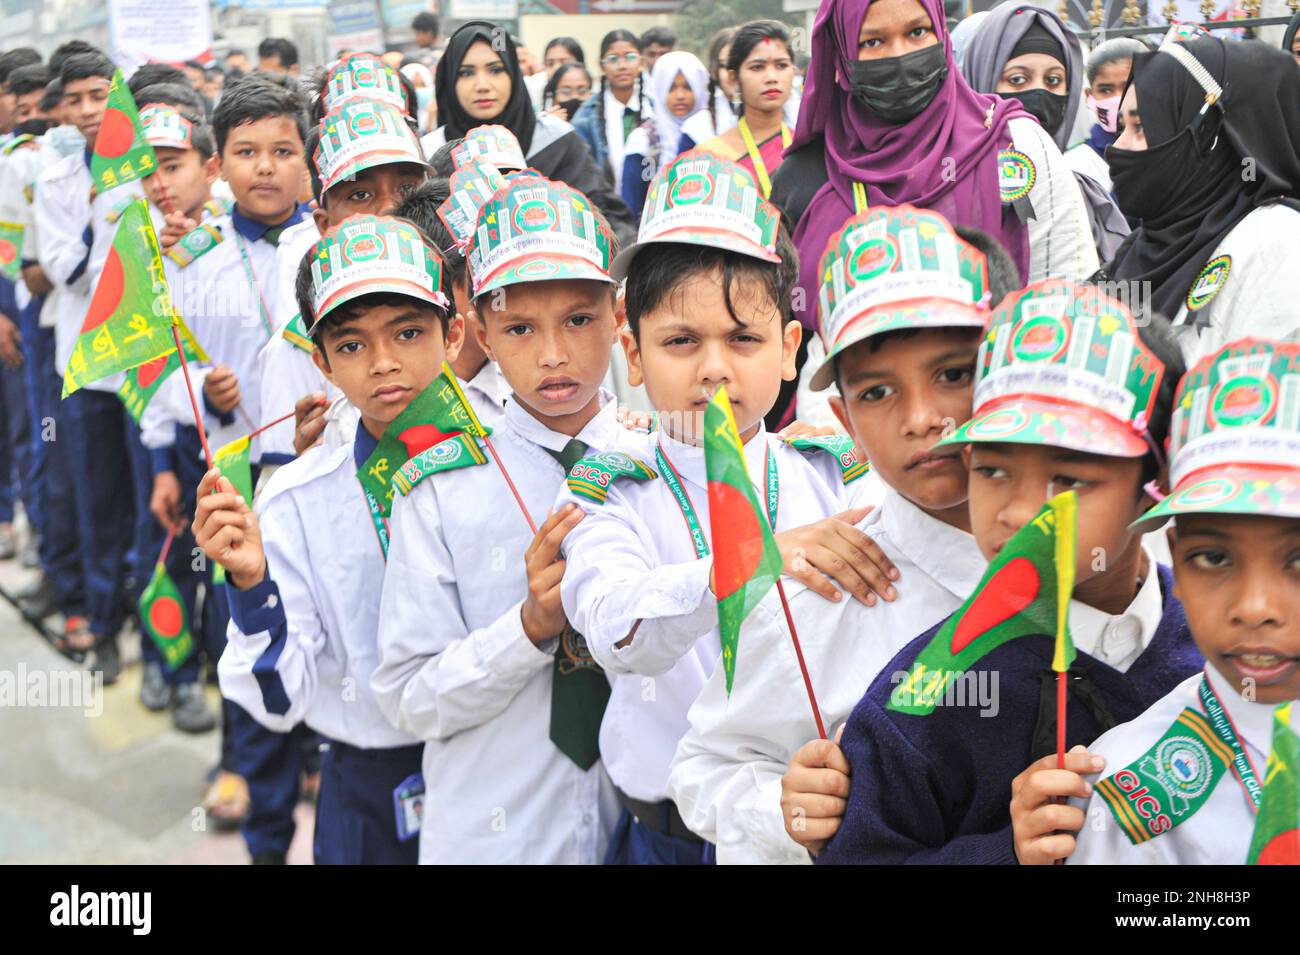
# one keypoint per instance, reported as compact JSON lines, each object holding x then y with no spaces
{"x":1089,"y":626}
{"x":490,"y":382}
{"x":598,"y":433}
{"x":1252,"y":721}
{"x":688,"y":459}
{"x":950,"y":556}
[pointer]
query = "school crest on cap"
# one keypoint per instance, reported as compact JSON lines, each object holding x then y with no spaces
{"x":703,"y":199}
{"x":363,"y":76}
{"x":1062,"y":365}
{"x":362,"y":134}
{"x":534,"y":229}
{"x":368,"y":254}
{"x":893,"y":268}
{"x":165,"y":128}
{"x":494,"y":145}
{"x":470,"y":187}
{"x":1234,"y":441}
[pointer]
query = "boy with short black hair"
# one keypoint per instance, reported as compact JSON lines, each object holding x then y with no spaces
{"x":1072,"y":393}
{"x":904,"y":299}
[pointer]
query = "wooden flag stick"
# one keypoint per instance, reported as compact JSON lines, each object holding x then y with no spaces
{"x":803,"y":667}
{"x":532,"y":525}
{"x":189,"y":388}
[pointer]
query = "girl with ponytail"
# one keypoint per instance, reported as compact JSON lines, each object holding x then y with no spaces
{"x":608,"y":117}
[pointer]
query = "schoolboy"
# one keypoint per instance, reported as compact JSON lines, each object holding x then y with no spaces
{"x":904,"y":298}
{"x":707,"y":304}
{"x":305,"y":608}
{"x":1183,"y":781}
{"x":1071,"y":393}
{"x":476,"y":656}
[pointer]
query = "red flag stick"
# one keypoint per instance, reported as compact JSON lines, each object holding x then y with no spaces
{"x":167,"y":545}
{"x":803,"y":667}
{"x":267,"y":427}
{"x":513,"y":490}
{"x":189,"y":387}
{"x":1060,"y":730}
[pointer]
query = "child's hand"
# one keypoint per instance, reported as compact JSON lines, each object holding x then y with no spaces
{"x":176,"y":225}
{"x":834,"y":548}
{"x":814,"y":793}
{"x":802,"y":429}
{"x":636,"y":420}
{"x":165,"y":502}
{"x":222,"y":389}
{"x":309,"y":421}
{"x":227,"y":530}
{"x":543,"y":614}
{"x":1040,"y":825}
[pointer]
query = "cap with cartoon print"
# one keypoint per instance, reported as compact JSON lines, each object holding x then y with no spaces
{"x":1062,"y":365}
{"x":362,"y":134}
{"x":1234,"y":440}
{"x":891,"y":268}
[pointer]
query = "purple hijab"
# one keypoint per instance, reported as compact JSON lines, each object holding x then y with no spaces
{"x":907,"y":163}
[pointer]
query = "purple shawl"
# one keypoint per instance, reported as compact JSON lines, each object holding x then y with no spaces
{"x":945,"y":159}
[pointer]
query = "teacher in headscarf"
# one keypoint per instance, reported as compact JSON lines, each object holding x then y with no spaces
{"x":888,"y":119}
{"x":478,"y":82}
{"x":1211,"y":165}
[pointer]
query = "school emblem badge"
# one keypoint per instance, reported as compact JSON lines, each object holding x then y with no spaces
{"x":1209,"y":282}
{"x":1016,"y":175}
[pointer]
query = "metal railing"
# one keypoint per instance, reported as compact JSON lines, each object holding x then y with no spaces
{"x":1132,"y":16}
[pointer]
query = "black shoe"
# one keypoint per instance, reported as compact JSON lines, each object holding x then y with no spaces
{"x":190,"y":713}
{"x":40,"y":600}
{"x":108,"y":660}
{"x":155,"y":694}
{"x":269,"y":858}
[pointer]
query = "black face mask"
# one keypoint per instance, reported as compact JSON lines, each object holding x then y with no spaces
{"x":898,"y":88}
{"x":1145,"y":181}
{"x":1044,"y":106}
{"x":570,"y":106}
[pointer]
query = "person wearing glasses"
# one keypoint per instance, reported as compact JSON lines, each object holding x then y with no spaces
{"x":607,"y":119}
{"x":568,"y":88}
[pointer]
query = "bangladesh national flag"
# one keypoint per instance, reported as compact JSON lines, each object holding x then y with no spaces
{"x":122,"y":154}
{"x":746,"y":562}
{"x":162,"y":613}
{"x":1025,"y":591}
{"x":1277,"y":826}
{"x":232,"y":461}
{"x":142,"y":382}
{"x":11,"y":250}
{"x":439,"y":412}
{"x":129,"y":321}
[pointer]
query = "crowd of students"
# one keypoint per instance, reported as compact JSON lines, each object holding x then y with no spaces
{"x":939,"y":288}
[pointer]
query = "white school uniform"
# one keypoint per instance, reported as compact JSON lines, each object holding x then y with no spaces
{"x":633,"y":559}
{"x":726,"y":776}
{"x":457,"y":670}
{"x":1219,"y":831}
{"x":18,"y":171}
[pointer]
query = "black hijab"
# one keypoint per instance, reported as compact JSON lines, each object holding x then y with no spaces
{"x":518,"y":116}
{"x":1289,"y":37}
{"x":1192,"y":185}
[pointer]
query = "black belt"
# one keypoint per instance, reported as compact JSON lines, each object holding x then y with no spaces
{"x":661,"y":816}
{"x":387,"y":754}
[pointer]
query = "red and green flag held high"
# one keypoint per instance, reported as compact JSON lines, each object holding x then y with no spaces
{"x":142,"y":382}
{"x":1025,"y":591}
{"x":122,"y":154}
{"x":163,"y":615}
{"x":746,"y":561}
{"x":1276,"y":840}
{"x":130,"y":318}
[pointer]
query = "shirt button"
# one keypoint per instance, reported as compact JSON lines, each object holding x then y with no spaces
{"x":272,"y":601}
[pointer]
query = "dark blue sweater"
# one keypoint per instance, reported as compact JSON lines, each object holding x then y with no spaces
{"x":937,"y":788}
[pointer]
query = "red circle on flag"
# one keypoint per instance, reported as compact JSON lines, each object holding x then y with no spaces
{"x":8,"y":251}
{"x":420,"y":437}
{"x":148,"y":373}
{"x":1282,"y":849}
{"x":116,"y":134}
{"x":733,"y":566}
{"x":108,"y":293}
{"x":1013,"y":588}
{"x":165,"y":618}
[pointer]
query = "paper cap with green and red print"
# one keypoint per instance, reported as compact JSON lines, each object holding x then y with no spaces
{"x":165,"y":128}
{"x":534,"y":230}
{"x":1062,"y":365}
{"x":365,"y":77}
{"x":1234,"y":441}
{"x":469,"y":188}
{"x":360,"y":135}
{"x":703,"y":199}
{"x":892,"y":268}
{"x":494,"y":145}
{"x":367,"y":255}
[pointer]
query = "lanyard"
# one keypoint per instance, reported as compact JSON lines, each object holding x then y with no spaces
{"x":252,"y":278}
{"x":1223,"y":728}
{"x":772,"y":488}
{"x":760,"y":168}
{"x":859,"y":197}
{"x":377,"y":518}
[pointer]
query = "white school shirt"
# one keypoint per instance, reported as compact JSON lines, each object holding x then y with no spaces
{"x":1119,"y":639}
{"x":614,"y":142}
{"x":45,"y":157}
{"x":456,"y":669}
{"x":726,"y":775}
{"x":18,"y":170}
{"x":1219,"y":832}
{"x":632,"y":558}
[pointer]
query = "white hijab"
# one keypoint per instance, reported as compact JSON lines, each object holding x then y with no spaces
{"x":662,"y":77}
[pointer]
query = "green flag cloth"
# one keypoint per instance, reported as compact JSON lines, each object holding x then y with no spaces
{"x":162,"y":614}
{"x":122,"y":154}
{"x":142,"y":382}
{"x":11,"y":250}
{"x":1020,"y":595}
{"x":746,"y":561}
{"x":232,"y":461}
{"x":129,"y":321}
{"x":437,"y":413}
{"x":1276,"y":840}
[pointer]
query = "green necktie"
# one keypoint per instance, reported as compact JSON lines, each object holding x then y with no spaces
{"x":631,"y":120}
{"x":579,"y":688}
{"x":272,"y":235}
